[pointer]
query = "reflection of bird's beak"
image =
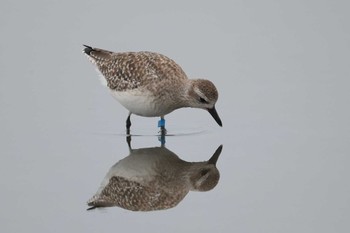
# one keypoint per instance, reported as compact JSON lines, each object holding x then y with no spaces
{"x":215,"y":156}
{"x":215,"y":115}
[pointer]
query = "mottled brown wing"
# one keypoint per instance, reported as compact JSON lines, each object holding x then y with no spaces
{"x":126,"y":71}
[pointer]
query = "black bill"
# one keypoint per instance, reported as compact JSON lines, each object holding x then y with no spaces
{"x":215,"y":115}
{"x":215,"y":156}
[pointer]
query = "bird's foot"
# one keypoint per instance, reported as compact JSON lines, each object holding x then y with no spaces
{"x":163,"y":131}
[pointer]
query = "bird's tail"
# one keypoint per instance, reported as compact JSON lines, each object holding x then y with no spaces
{"x":87,"y":50}
{"x":97,"y":55}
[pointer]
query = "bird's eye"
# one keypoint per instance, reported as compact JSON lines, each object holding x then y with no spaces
{"x":202,"y":100}
{"x":204,"y":172}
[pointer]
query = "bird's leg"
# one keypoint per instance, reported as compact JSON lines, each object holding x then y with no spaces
{"x":128,"y":124}
{"x":128,"y":135}
{"x":161,"y":125}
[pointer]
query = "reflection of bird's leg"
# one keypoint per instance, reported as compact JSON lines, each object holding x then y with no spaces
{"x":161,"y":138}
{"x":128,"y":124}
{"x":128,"y":141}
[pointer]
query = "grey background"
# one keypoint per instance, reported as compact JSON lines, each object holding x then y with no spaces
{"x":282,"y":70}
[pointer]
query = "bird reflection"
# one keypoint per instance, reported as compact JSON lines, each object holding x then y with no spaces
{"x":154,"y":179}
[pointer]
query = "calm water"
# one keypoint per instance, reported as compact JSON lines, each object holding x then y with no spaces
{"x":282,"y":71}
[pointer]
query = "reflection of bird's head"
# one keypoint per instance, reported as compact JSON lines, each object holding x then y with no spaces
{"x":204,"y":176}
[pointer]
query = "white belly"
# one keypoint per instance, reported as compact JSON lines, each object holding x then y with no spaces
{"x":139,"y":103}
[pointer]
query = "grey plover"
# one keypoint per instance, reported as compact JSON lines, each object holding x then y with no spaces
{"x":154,"y":179}
{"x":151,"y":85}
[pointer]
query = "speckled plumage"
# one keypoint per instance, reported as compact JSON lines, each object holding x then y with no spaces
{"x":131,"y":70}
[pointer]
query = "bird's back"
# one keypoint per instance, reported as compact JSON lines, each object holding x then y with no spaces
{"x":131,"y":70}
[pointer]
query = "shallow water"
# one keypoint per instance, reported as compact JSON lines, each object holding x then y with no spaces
{"x":284,"y":97}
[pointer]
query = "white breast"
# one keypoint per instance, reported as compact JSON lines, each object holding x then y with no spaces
{"x":139,"y":103}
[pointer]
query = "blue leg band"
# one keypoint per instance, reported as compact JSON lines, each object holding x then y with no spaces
{"x":161,"y":123}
